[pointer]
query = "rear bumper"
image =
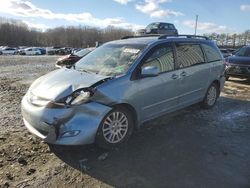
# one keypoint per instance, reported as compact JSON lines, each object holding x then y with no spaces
{"x":51,"y":124}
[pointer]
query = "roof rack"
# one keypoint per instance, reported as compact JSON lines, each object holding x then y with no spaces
{"x":140,"y":36}
{"x":160,"y":36}
{"x":187,"y":36}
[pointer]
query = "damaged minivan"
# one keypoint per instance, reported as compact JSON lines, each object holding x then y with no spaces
{"x":120,"y":85}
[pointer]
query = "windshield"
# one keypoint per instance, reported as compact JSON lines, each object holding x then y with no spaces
{"x":152,"y":26}
{"x":110,"y":59}
{"x":82,"y":53}
{"x":244,"y":51}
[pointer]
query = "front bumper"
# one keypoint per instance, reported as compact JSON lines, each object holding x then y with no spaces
{"x":50,"y":124}
{"x":240,"y":71}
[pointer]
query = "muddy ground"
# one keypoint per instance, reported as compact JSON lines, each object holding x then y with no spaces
{"x":188,"y":148}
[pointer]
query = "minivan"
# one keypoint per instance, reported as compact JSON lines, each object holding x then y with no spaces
{"x":120,"y":85}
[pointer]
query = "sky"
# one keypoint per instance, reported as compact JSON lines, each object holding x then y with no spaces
{"x":219,"y":16}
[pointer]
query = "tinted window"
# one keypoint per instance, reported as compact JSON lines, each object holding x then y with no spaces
{"x":165,"y":26}
{"x":211,"y":53}
{"x":189,"y":54}
{"x":171,"y":26}
{"x":152,"y":26}
{"x":161,"y":57}
{"x":245,"y":51}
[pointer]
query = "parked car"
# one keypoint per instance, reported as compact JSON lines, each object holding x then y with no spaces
{"x":161,"y":28}
{"x":226,"y":52}
{"x":42,"y":50}
{"x":30,"y":51}
{"x":121,"y":85}
{"x":69,"y":60}
{"x":140,"y":32}
{"x":64,"y":51}
{"x":52,"y":50}
{"x":238,"y":65}
{"x":8,"y":51}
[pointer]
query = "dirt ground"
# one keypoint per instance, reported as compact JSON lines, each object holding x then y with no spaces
{"x":188,"y":148}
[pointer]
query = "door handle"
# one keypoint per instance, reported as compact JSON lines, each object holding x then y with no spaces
{"x":174,"y":76}
{"x":183,"y":74}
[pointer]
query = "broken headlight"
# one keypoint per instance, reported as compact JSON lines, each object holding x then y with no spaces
{"x":77,"y":98}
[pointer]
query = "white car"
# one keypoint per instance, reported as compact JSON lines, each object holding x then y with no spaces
{"x":30,"y":51}
{"x":8,"y":51}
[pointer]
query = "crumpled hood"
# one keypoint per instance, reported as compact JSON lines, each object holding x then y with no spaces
{"x":61,"y":83}
{"x":241,"y":60}
{"x":63,"y":57}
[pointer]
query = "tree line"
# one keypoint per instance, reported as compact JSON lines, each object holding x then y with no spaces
{"x":231,"y":40}
{"x":15,"y":33}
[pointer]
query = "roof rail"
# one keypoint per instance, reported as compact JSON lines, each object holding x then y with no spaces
{"x":161,"y":36}
{"x":187,"y":36}
{"x":140,"y":36}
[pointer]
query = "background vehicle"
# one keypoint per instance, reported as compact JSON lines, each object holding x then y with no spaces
{"x":140,"y":32}
{"x":226,"y":52}
{"x":30,"y":51}
{"x":238,"y":65}
{"x":69,"y":60}
{"x":42,"y":50}
{"x":52,"y":50}
{"x":161,"y":28}
{"x":8,"y":51}
{"x":121,"y":85}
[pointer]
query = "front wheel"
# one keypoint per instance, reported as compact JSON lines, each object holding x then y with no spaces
{"x":115,"y":128}
{"x":211,"y":96}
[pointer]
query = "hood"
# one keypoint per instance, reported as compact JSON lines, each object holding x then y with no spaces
{"x":63,"y":57}
{"x":241,"y":60}
{"x":62,"y":82}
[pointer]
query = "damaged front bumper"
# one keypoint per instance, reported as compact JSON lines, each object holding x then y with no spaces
{"x":76,"y":125}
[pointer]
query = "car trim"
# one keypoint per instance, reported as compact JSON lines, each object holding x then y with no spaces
{"x":155,"y":104}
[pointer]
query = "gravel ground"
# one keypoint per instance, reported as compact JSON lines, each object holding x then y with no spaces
{"x":188,"y":148}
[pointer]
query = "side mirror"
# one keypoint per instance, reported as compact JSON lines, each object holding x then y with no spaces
{"x":150,"y":71}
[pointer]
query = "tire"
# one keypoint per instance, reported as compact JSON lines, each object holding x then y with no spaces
{"x":110,"y":133}
{"x":211,"y":96}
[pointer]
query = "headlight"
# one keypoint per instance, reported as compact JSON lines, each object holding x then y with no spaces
{"x":77,"y":98}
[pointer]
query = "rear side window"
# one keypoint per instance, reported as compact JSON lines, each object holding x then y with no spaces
{"x":189,"y":55}
{"x":161,"y":57}
{"x":211,"y":53}
{"x":171,"y":26}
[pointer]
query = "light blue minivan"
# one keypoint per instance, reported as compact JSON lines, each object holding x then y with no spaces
{"x":120,"y":85}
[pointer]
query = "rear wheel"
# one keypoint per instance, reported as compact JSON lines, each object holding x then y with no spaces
{"x":211,"y":96}
{"x":115,"y":128}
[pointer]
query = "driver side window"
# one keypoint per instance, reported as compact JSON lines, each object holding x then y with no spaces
{"x":161,"y":57}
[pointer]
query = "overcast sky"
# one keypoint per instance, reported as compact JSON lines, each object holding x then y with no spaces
{"x":214,"y":15}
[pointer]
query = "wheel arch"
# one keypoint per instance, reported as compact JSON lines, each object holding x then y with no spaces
{"x":217,"y":82}
{"x":131,"y":110}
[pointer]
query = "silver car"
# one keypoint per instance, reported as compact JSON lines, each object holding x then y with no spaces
{"x":121,"y":85}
